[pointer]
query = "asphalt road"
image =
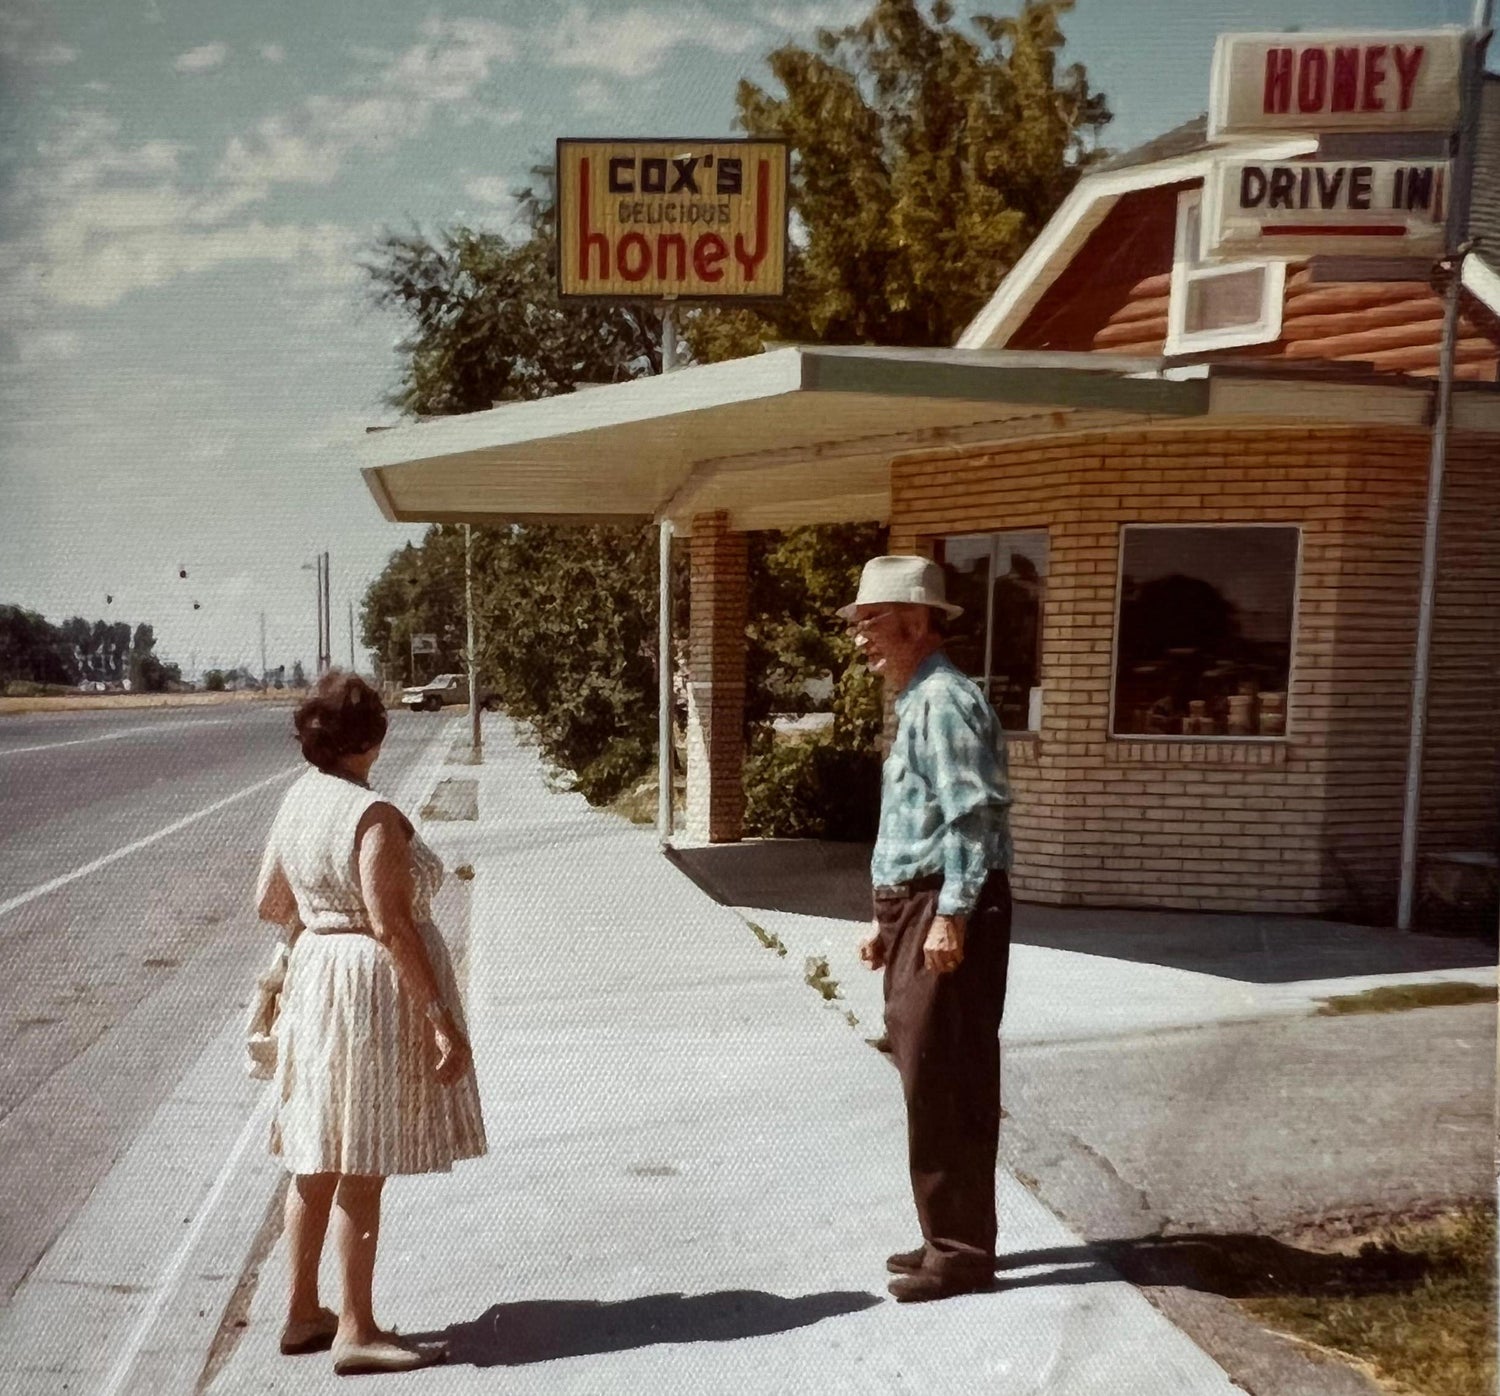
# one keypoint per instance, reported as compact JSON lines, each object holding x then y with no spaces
{"x":129,"y":846}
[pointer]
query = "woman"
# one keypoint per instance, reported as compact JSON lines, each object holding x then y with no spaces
{"x":374,"y":1075}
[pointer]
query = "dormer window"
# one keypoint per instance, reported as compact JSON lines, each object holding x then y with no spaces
{"x":1218,"y":305}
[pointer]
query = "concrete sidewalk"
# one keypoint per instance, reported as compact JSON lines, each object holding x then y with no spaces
{"x":696,"y":1169}
{"x":1078,"y":974}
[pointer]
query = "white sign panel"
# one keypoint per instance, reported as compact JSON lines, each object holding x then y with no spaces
{"x":424,"y":644}
{"x":1294,"y":208}
{"x":1335,"y":82}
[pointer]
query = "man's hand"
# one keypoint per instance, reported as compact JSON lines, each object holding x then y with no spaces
{"x":871,"y":951}
{"x":943,"y":950}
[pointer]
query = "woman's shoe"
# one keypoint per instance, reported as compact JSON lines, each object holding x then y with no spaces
{"x":311,"y":1335}
{"x":388,"y":1354}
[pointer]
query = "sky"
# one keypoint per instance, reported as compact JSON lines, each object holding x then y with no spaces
{"x":187,"y":351}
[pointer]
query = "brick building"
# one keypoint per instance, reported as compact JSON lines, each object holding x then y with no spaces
{"x":1183,"y":506}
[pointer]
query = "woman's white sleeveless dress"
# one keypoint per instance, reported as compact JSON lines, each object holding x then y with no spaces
{"x":354,"y":1089}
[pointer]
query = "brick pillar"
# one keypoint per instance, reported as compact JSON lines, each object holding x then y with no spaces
{"x":716,"y":681}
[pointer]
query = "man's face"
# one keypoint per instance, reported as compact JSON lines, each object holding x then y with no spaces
{"x":887,"y":634}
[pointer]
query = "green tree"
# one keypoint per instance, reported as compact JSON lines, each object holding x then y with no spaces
{"x":925,"y":157}
{"x":924,"y":161}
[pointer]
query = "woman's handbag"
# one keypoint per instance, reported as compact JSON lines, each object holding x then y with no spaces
{"x":265,"y":1008}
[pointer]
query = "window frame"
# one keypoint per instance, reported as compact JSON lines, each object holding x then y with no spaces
{"x":1186,"y":270}
{"x":994,"y":535}
{"x":1292,"y":638}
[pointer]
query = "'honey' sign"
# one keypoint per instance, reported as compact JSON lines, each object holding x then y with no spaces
{"x":667,"y":220}
{"x":1335,"y":82}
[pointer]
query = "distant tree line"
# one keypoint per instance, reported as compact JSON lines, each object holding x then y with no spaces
{"x":33,"y":650}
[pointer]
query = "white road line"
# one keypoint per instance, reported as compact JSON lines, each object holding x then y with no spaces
{"x":139,"y":844}
{"x":166,"y":1286}
{"x":115,"y":736}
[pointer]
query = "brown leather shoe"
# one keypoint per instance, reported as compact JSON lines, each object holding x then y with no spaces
{"x":906,"y":1262}
{"x":314,"y":1335}
{"x":926,"y":1285}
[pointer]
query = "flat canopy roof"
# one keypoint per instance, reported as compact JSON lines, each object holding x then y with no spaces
{"x":807,"y":434}
{"x":792,"y":436}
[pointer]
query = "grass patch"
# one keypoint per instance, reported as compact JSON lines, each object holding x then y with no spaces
{"x":816,"y":974}
{"x":1397,"y":998}
{"x":1422,"y":1320}
{"x":769,"y":939}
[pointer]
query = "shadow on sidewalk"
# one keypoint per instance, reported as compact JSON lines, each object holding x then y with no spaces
{"x":811,"y":878}
{"x":1236,"y":1265}
{"x":543,"y":1330}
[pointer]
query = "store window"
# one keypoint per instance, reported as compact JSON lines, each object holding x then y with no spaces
{"x":1218,"y":305}
{"x":999,"y":579}
{"x":1204,"y":631}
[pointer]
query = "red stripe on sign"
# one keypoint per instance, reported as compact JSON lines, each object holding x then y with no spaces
{"x":1378,"y":230}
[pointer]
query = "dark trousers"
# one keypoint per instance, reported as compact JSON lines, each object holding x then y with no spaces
{"x":944,"y":1031}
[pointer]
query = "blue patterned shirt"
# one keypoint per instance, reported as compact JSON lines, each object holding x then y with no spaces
{"x":944,"y":792}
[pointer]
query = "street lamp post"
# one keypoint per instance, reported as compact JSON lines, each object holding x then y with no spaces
{"x":476,"y":741}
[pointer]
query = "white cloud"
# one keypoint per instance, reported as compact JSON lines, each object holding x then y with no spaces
{"x":43,"y":347}
{"x":633,"y":42}
{"x":452,"y":60}
{"x":593,"y":96}
{"x":21,"y":43}
{"x":203,"y":59}
{"x":820,"y":14}
{"x":108,"y":219}
{"x":273,"y":53}
{"x":498,"y":117}
{"x":447,"y":68}
{"x":488,"y":189}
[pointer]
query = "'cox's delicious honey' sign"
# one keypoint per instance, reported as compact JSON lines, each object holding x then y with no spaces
{"x":1335,"y":82}
{"x":1297,"y":208}
{"x":696,"y":220}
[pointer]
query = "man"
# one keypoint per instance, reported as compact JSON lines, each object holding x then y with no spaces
{"x":942,"y":922}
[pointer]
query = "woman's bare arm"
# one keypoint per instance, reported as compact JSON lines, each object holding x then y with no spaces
{"x":273,"y":897}
{"x":385,"y":878}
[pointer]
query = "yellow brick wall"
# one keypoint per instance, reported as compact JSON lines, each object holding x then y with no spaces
{"x":1301,"y":826}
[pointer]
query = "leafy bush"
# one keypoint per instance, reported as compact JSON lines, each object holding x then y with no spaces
{"x":213,"y":681}
{"x":812,"y":790}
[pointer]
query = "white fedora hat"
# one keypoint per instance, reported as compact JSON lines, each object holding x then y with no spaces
{"x":906,"y":581}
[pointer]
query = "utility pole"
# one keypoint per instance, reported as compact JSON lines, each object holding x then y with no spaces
{"x":1470,"y":94}
{"x":476,"y":739}
{"x":351,"y":637}
{"x":263,"y":670}
{"x":325,"y":660}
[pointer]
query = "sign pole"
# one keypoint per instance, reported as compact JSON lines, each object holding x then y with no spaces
{"x":664,"y":624}
{"x":1458,"y":233}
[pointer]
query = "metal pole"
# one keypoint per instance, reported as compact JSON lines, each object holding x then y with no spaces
{"x":664,"y":626}
{"x":1457,"y":240}
{"x":318,"y":601}
{"x":476,"y":740}
{"x":327,"y":614}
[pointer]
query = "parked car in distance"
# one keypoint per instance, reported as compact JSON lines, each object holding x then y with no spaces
{"x":446,"y":690}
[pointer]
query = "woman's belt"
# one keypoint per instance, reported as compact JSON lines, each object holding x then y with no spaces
{"x":331,"y":923}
